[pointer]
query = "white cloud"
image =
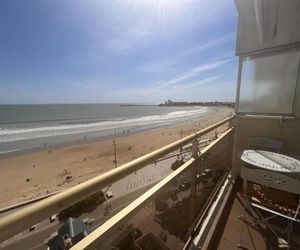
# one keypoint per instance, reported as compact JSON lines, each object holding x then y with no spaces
{"x":209,"y":44}
{"x":164,"y":65}
{"x":202,"y":90}
{"x":187,"y":82}
{"x":197,"y":83}
{"x":192,"y":73}
{"x":165,"y":89}
{"x":158,"y":66}
{"x":75,"y":84}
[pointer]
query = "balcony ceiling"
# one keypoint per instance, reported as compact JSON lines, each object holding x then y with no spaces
{"x":267,"y":23}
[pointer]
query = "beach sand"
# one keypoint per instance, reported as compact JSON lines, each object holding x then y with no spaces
{"x":28,"y":176}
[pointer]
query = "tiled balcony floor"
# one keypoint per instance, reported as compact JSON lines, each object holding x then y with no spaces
{"x":241,"y":235}
{"x":236,"y":233}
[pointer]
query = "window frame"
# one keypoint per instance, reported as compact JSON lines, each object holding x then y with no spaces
{"x":265,"y":53}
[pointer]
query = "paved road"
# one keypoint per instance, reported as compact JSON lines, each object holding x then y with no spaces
{"x":35,"y":239}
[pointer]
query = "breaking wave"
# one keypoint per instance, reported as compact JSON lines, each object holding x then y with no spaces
{"x":10,"y":134}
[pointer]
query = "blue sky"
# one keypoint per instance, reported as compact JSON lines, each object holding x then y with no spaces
{"x":138,"y":51}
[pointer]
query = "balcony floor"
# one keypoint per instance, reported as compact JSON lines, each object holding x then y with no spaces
{"x":242,"y":235}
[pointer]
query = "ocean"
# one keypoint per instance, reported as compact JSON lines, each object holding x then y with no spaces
{"x":32,"y":127}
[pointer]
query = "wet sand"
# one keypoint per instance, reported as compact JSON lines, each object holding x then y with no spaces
{"x":28,"y":176}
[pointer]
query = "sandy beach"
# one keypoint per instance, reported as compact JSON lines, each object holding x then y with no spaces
{"x":28,"y":176}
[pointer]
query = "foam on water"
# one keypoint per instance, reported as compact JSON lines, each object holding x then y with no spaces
{"x":17,"y":134}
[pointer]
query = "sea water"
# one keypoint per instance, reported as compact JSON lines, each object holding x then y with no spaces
{"x":28,"y":127}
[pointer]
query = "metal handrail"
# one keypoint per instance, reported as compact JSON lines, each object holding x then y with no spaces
{"x":22,"y":219}
{"x":100,"y":234}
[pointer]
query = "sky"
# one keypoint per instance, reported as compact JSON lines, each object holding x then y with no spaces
{"x":129,"y":51}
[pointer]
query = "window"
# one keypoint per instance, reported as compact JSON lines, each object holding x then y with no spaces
{"x":268,"y":83}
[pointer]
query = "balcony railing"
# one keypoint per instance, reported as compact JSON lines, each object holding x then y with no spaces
{"x":165,"y":213}
{"x":195,"y":190}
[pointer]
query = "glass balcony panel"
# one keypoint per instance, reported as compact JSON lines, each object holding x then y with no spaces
{"x":169,"y":218}
{"x":125,"y":190}
{"x":268,"y":83}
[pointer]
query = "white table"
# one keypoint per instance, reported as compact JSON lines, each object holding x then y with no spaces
{"x":272,"y":170}
{"x":271,"y":161}
{"x":276,"y":171}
